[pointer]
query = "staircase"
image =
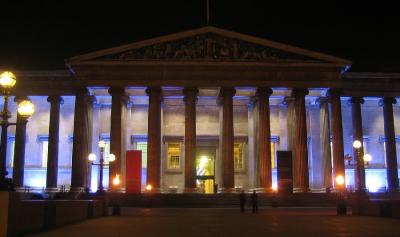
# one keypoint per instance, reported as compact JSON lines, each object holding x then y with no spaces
{"x":219,"y":200}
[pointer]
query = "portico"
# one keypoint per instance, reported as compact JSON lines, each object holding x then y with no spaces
{"x":209,"y":88}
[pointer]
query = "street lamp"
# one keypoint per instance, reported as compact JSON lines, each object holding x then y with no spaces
{"x":92,"y":158}
{"x":367,"y":158}
{"x":341,"y":203}
{"x":25,"y":109}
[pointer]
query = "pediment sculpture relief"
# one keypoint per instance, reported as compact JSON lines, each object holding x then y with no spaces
{"x":207,"y":47}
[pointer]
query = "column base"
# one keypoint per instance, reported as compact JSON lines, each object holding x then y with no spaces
{"x":228,"y":190}
{"x":263,"y":190}
{"x":77,"y":189}
{"x":153,"y":190}
{"x":191,"y":190}
{"x":52,"y":190}
{"x":301,"y":190}
{"x":117,"y":190}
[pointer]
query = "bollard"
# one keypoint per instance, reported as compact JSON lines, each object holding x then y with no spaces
{"x":341,"y":208}
{"x":116,"y":210}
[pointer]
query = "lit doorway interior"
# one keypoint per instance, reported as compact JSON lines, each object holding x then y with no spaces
{"x":205,"y":167}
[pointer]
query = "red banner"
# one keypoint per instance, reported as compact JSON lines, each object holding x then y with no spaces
{"x":133,"y":171}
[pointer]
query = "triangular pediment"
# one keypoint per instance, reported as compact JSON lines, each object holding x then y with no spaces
{"x":207,"y":44}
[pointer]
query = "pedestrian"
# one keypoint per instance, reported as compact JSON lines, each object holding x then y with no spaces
{"x":254,"y":201}
{"x":242,"y":199}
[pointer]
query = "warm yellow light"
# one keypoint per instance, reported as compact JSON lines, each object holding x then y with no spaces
{"x":102,"y":144}
{"x":367,"y":157}
{"x":357,"y":144}
{"x":26,"y":108}
{"x":116,"y":180}
{"x":149,"y":188}
{"x":92,"y":157}
{"x":274,"y":187}
{"x":340,"y":180}
{"x":203,"y":161}
{"x":7,"y":80}
{"x":111,"y":157}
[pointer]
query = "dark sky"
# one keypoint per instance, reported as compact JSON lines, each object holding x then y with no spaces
{"x":41,"y":34}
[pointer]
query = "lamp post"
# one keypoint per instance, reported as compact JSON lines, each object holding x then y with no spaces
{"x":101,"y":164}
{"x":25,"y":109}
{"x":341,"y":203}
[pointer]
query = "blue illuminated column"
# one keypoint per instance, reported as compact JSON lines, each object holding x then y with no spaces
{"x":358,"y":135}
{"x":52,"y":158}
{"x":391,"y":157}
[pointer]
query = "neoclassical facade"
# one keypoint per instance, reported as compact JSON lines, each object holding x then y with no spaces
{"x":209,"y":108}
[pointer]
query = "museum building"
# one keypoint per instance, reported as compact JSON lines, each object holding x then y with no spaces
{"x":208,"y":108}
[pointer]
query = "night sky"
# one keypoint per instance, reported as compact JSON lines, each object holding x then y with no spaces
{"x":41,"y":34}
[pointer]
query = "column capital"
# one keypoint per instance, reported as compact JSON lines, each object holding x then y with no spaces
{"x":322,"y":100}
{"x":225,"y":92}
{"x":387,"y":100}
{"x":153,"y":90}
{"x":263,"y":92}
{"x":287,"y":100}
{"x":116,"y":91}
{"x":334,"y":92}
{"x":81,"y":91}
{"x":91,"y":99}
{"x":356,"y":100}
{"x":54,"y":99}
{"x":299,"y":92}
{"x":190,"y":92}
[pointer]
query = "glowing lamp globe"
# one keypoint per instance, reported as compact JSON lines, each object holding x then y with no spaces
{"x":357,"y":144}
{"x":7,"y":80}
{"x":149,"y":188}
{"x":102,"y":144}
{"x":116,"y":180}
{"x":26,"y":108}
{"x":340,"y":180}
{"x":92,"y":157}
{"x":111,"y":157}
{"x":367,"y":157}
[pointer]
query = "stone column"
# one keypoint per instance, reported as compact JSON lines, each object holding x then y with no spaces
{"x":337,"y":135}
{"x":118,"y":135}
{"x":19,"y":150}
{"x":80,"y":142}
{"x":358,"y":135}
{"x":325,"y":143}
{"x":301,"y":140}
{"x":291,"y":133}
{"x":154,"y":138}
{"x":264,"y":138}
{"x":390,"y":141}
{"x":52,"y":155}
{"x":190,"y":98}
{"x":226,"y":101}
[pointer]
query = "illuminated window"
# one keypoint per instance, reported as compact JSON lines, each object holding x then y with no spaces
{"x":273,"y":160}
{"x":107,"y":149}
{"x":142,"y":146}
{"x":174,"y":153}
{"x":238,"y":156}
{"x":44,"y":147}
{"x":10,"y":154}
{"x":274,"y":144}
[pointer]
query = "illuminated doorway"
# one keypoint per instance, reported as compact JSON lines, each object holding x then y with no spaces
{"x":205,"y":169}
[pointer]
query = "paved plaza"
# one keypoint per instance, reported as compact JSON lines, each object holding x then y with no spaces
{"x":160,"y":222}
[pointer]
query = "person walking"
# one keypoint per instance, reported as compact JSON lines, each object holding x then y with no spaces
{"x":242,"y":200}
{"x":254,"y":201}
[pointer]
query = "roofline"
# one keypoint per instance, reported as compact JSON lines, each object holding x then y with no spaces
{"x":174,"y":36}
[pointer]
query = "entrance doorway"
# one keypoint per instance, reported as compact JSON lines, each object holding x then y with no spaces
{"x":205,"y":169}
